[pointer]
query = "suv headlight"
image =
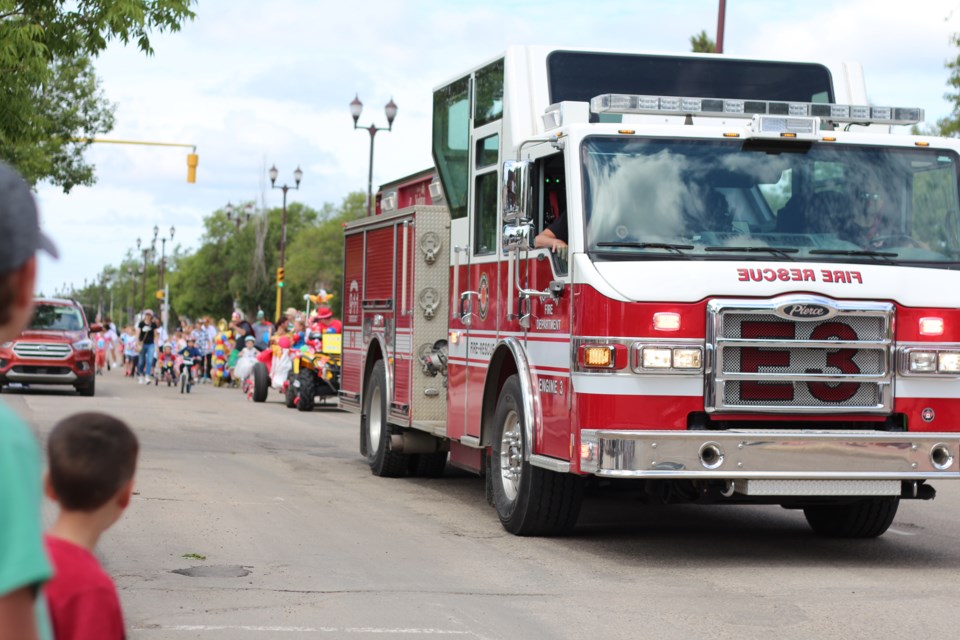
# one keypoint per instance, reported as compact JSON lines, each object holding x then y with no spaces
{"x":83,"y":345}
{"x":6,"y":345}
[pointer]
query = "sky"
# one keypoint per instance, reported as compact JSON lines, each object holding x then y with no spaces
{"x":254,"y":83}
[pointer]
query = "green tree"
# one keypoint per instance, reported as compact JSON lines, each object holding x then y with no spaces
{"x":50,"y":102}
{"x":702,"y":43}
{"x":315,"y":257}
{"x":950,"y":125}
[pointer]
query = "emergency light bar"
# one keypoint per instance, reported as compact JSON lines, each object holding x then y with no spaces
{"x":724,"y":108}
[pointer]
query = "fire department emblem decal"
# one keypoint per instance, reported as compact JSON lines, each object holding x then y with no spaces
{"x":483,"y":296}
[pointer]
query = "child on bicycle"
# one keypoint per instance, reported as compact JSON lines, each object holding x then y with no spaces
{"x":190,"y":356}
{"x":165,"y":363}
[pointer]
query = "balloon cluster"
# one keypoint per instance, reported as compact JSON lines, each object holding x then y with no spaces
{"x":220,"y":352}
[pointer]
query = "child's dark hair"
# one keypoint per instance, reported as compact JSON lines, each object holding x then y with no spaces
{"x":92,"y":456}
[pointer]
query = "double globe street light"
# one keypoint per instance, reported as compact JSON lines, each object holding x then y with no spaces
{"x":356,"y":108}
{"x":297,"y":177}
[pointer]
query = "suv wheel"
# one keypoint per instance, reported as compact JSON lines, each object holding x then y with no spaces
{"x":87,"y":389}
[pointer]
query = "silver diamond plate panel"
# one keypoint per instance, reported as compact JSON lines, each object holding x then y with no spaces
{"x":432,"y":222}
{"x":818,"y":487}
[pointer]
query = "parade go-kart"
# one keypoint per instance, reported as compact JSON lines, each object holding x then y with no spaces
{"x":275,"y":374}
{"x":315,"y":374}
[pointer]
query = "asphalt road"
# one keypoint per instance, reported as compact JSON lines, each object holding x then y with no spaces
{"x":282,"y":532}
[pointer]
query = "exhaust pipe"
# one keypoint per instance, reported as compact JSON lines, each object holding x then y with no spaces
{"x":711,"y":455}
{"x":416,"y":442}
{"x":940,"y":457}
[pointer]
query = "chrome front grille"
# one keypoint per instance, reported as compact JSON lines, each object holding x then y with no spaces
{"x":761,"y":358}
{"x":43,"y":350}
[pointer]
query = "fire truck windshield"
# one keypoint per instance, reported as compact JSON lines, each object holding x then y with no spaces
{"x":713,"y":199}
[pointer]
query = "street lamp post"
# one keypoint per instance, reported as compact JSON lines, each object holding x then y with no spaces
{"x":356,"y":108}
{"x":163,"y":255}
{"x":133,"y":296}
{"x":242,"y":216}
{"x":297,"y":177}
{"x":146,"y":254}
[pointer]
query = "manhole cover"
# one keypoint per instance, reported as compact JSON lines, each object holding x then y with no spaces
{"x":214,"y":571}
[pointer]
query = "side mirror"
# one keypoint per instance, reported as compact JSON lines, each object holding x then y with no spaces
{"x":517,"y":191}
{"x":517,"y":237}
{"x":96,"y":328}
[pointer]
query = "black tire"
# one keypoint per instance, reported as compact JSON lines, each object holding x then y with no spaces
{"x":307,"y":394}
{"x":377,"y":431}
{"x":88,"y":390}
{"x":428,"y":465}
{"x":867,"y":518}
{"x":530,"y":501}
{"x":290,"y":394}
{"x":261,"y":382}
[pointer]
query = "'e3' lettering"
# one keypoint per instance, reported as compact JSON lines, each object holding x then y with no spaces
{"x":753,"y":358}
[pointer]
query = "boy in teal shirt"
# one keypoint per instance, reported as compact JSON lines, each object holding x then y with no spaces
{"x":23,"y":563}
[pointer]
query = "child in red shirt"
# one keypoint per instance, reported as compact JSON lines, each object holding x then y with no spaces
{"x":92,"y":458}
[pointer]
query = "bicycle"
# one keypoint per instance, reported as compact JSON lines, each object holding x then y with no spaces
{"x":186,"y":374}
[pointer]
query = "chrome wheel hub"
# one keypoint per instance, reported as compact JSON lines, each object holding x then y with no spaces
{"x":511,"y":456}
{"x":375,"y":420}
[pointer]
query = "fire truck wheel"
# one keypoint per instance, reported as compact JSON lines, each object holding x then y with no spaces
{"x":530,"y":501}
{"x":290,"y":393}
{"x":383,"y":462}
{"x":308,"y":391}
{"x":862,"y":519}
{"x":261,"y":382}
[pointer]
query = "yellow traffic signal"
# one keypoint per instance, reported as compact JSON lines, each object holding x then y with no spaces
{"x":280,"y":275}
{"x":192,"y":161}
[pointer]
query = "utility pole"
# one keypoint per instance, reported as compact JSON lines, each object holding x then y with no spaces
{"x":721,"y":18}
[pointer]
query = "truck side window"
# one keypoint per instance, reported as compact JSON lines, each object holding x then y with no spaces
{"x":451,"y":150}
{"x":485,"y":214}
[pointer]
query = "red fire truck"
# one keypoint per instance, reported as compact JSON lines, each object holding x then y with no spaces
{"x":756,"y":300}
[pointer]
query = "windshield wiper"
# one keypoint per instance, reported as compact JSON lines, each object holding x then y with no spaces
{"x":783,"y":252}
{"x":675,"y":248}
{"x":881,"y":255}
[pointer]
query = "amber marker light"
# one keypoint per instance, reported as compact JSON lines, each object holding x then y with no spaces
{"x":598,"y":357}
{"x":627,"y":131}
{"x":922,"y":143}
{"x":829,"y":139}
{"x":603,"y":356}
{"x":931,"y":326}
{"x":731,"y":135}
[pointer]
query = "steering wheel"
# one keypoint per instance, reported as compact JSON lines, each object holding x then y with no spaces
{"x":894,"y":240}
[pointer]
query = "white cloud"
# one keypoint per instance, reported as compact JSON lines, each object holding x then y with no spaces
{"x":256,"y":83}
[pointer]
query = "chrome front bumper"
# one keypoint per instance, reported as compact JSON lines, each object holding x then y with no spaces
{"x":787,"y":455}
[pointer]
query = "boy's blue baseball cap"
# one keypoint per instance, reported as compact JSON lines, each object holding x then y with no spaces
{"x":20,"y":235}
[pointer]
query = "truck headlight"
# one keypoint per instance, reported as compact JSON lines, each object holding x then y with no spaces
{"x":6,"y":345}
{"x":923,"y":362}
{"x":656,"y":358}
{"x":686,"y":358}
{"x":83,"y":345}
{"x":949,"y":362}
